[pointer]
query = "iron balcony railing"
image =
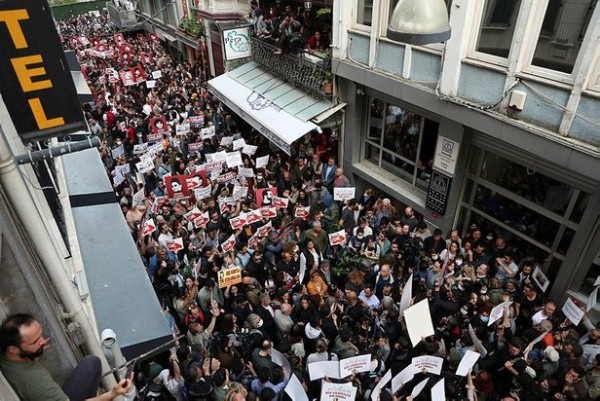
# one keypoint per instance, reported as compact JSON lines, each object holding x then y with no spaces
{"x":305,"y":71}
{"x":122,"y":17}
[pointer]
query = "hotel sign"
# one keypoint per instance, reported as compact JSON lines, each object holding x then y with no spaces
{"x":35,"y":82}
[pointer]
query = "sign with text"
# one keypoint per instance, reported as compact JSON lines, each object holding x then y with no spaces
{"x":36,"y":82}
{"x":446,"y":155}
{"x":231,"y":276}
{"x":236,"y":43}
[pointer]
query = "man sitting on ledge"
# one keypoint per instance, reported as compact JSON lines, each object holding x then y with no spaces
{"x":22,"y":343}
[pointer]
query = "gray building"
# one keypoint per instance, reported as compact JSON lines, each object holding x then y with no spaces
{"x":497,"y":127}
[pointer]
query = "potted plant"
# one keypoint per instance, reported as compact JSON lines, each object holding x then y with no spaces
{"x":192,"y":25}
{"x":328,"y":83}
{"x":325,"y":11}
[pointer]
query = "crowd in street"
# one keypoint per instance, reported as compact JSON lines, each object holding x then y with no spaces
{"x":264,"y":271}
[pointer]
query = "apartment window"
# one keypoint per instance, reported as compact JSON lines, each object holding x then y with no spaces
{"x":495,"y":33}
{"x":561,"y":34}
{"x":364,"y":14}
{"x":401,"y":141}
{"x":537,"y":214}
{"x":170,"y":14}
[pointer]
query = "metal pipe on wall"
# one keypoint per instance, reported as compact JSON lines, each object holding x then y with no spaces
{"x":19,"y":195}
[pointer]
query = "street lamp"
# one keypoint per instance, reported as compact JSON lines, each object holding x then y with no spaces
{"x":419,"y":22}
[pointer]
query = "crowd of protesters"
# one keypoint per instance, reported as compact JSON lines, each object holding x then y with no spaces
{"x":298,"y":295}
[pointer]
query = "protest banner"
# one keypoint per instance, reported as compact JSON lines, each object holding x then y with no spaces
{"x":148,"y":227}
{"x":249,"y":150}
{"x":234,"y":159}
{"x":337,"y":238}
{"x":375,"y":395}
{"x":497,"y":312}
{"x":202,"y":192}
{"x":196,"y":121}
{"x":228,"y":244}
{"x":245,"y":172}
{"x":301,"y":211}
{"x":176,"y":186}
{"x":406,"y":375}
{"x":438,"y":391}
{"x":238,"y":144}
{"x":592,"y":300}
{"x":193,"y":214}
{"x":406,"y":295}
{"x":238,"y":222}
{"x":428,"y":364}
{"x":263,"y":231}
{"x":268,"y":212}
{"x":176,"y":245}
{"x":356,"y":364}
{"x":467,"y":362}
{"x":279,"y":202}
{"x":230,"y":276}
{"x":342,"y":194}
{"x":145,"y":165}
{"x":572,"y":311}
{"x":418,"y":322}
{"x":262,"y":161}
{"x":295,"y":390}
{"x":202,"y":220}
{"x":337,"y":392}
{"x":253,"y":216}
{"x":540,"y":279}
{"x":418,"y":388}
{"x":138,"y":198}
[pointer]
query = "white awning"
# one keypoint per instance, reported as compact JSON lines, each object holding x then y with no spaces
{"x":271,"y":120}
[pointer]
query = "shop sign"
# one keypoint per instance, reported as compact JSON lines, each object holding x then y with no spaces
{"x":236,"y":43}
{"x":36,"y":83}
{"x":446,"y":155}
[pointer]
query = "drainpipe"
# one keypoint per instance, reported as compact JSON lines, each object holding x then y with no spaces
{"x":24,"y":206}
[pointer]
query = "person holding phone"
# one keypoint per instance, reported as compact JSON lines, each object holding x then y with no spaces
{"x":22,"y":344}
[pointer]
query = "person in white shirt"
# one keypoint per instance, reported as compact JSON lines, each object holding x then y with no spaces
{"x":368,"y":297}
{"x":546,"y":313}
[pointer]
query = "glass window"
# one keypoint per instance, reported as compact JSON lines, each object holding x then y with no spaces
{"x":497,"y":27}
{"x":401,"y":141}
{"x":551,"y":194}
{"x":364,"y":14}
{"x":560,"y":37}
{"x":170,"y":14}
{"x":527,"y":208}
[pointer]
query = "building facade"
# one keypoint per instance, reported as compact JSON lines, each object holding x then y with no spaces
{"x":497,"y":128}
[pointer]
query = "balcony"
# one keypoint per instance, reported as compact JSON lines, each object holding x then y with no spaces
{"x":306,"y":71}
{"x":123,"y":17}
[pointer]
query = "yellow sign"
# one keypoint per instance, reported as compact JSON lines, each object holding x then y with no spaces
{"x":230,"y":276}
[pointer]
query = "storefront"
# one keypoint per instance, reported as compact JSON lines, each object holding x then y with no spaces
{"x":545,"y":211}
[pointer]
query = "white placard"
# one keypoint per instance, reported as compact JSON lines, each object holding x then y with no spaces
{"x":592,"y":300}
{"x":239,"y":192}
{"x":150,"y":84}
{"x":342,"y":194}
{"x":239,"y":144}
{"x":118,"y":179}
{"x":337,"y":238}
{"x":245,"y":172}
{"x":467,"y":362}
{"x":337,"y":392}
{"x":145,"y":165}
{"x":540,"y":279}
{"x":279,"y":359}
{"x":226,"y":141}
{"x":402,"y":378}
{"x":418,"y":322}
{"x":572,"y":311}
{"x":118,"y":152}
{"x":207,"y":133}
{"x":249,"y":150}
{"x":156,"y":74}
{"x":217,"y":157}
{"x":140,"y":148}
{"x":262,"y":161}
{"x":234,"y":159}
{"x":597,"y":282}
{"x":406,"y":295}
{"x":497,"y":312}
{"x":476,"y":342}
{"x":122,"y":170}
{"x":427,"y":364}
{"x":356,"y":364}
{"x":533,"y":343}
{"x":138,"y":198}
{"x":418,"y":388}
{"x":318,"y":370}
{"x":446,"y":155}
{"x":295,"y":390}
{"x":438,"y":391}
{"x":202,"y":192}
{"x":384,"y":380}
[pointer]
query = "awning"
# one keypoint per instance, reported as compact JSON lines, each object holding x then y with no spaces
{"x":273,"y":107}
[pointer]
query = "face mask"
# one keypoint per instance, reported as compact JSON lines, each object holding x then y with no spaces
{"x":459,"y":262}
{"x":434,"y":257}
{"x":359,"y":236}
{"x":489,"y":237}
{"x":484,"y":319}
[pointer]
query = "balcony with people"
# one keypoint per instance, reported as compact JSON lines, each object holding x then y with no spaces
{"x":292,"y":42}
